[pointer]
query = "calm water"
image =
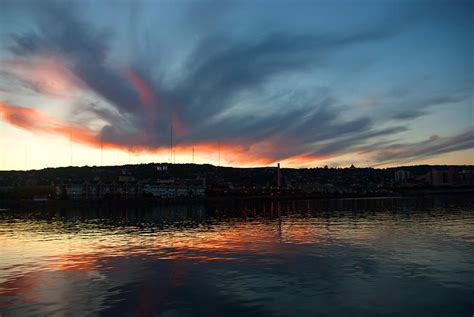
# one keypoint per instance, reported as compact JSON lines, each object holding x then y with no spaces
{"x":367,"y":257}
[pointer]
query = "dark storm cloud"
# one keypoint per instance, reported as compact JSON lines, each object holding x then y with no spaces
{"x":92,"y":71}
{"x":219,"y":72}
{"x":61,"y":32}
{"x":219,"y":68}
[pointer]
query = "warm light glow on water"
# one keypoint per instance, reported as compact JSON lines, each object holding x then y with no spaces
{"x":341,"y":257}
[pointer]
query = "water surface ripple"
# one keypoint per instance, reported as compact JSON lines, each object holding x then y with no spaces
{"x":352,"y":257}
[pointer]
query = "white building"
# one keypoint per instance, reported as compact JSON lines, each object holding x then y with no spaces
{"x":74,"y":191}
{"x":402,"y":175}
{"x":167,"y":190}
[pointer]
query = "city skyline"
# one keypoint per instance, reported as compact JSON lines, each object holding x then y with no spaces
{"x":335,"y":83}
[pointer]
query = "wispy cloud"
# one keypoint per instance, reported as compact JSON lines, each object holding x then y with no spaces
{"x":66,"y":56}
{"x":435,"y":145}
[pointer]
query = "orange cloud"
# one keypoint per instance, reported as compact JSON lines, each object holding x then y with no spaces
{"x":230,"y":154}
{"x":35,"y":121}
{"x":179,"y":128}
{"x":46,"y":75}
{"x":141,"y":86}
{"x":304,"y":159}
{"x":256,"y":154}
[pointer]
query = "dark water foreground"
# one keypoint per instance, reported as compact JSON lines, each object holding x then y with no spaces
{"x":364,"y":257}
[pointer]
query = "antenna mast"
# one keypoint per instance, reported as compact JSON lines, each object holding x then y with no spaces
{"x":219,"y":152}
{"x":70,"y":147}
{"x":101,"y":149}
{"x":25,"y":155}
{"x":171,"y":141}
{"x":3,"y":147}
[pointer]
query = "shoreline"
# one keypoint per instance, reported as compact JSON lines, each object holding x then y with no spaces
{"x":14,"y":204}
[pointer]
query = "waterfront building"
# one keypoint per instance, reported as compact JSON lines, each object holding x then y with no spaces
{"x":402,"y":176}
{"x":176,"y":188}
{"x":74,"y":191}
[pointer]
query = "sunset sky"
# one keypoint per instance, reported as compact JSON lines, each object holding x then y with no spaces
{"x":243,"y":83}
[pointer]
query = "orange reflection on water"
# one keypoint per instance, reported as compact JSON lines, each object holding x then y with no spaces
{"x":55,"y":266}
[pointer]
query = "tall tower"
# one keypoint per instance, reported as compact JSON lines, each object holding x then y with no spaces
{"x":219,"y":153}
{"x":278,"y":176}
{"x":26,"y":152}
{"x":101,"y":149}
{"x":171,"y":141}
{"x":70,"y":147}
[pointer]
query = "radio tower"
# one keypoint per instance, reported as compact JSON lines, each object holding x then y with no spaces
{"x":278,"y":176}
{"x":193,"y":155}
{"x":2,"y":139}
{"x":25,"y":155}
{"x":171,"y":141}
{"x":101,"y":150}
{"x":70,"y":147}
{"x":218,"y":152}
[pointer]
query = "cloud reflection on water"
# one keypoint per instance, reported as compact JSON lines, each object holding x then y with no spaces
{"x":332,"y":259}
